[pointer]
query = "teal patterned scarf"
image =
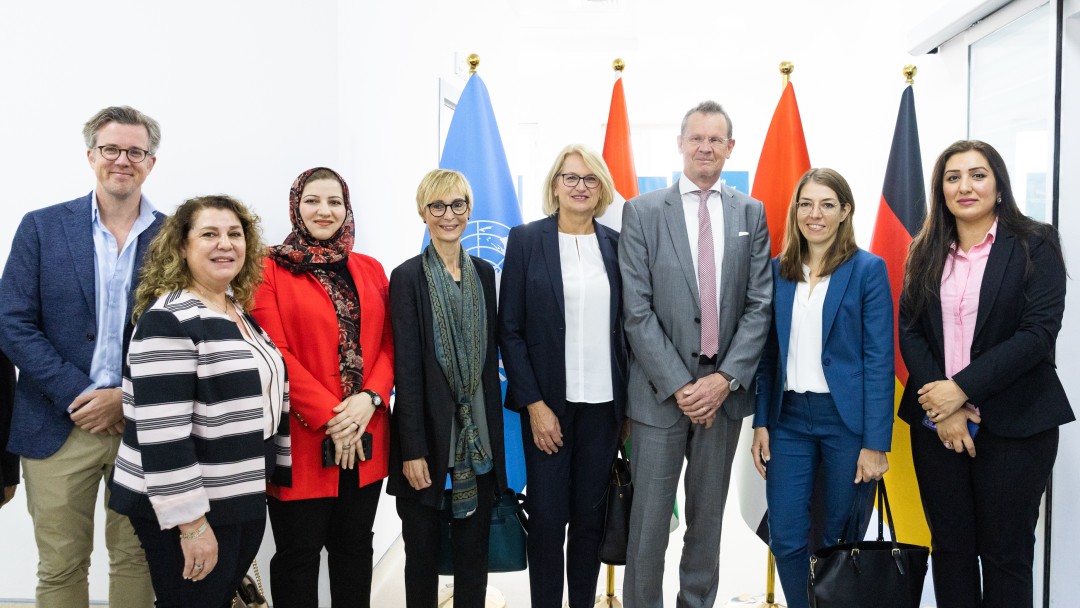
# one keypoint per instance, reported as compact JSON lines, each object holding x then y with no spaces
{"x":459,"y":322}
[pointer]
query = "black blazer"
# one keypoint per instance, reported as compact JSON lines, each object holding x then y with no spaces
{"x":532,"y":325}
{"x":9,"y":463}
{"x":1012,"y":377}
{"x":424,"y":405}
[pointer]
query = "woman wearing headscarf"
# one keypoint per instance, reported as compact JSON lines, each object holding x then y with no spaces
{"x":447,"y":417}
{"x":560,"y":323}
{"x":326,"y":308}
{"x":206,"y":404}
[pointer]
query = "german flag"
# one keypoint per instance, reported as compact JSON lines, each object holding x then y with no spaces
{"x":900,"y":215}
{"x":783,"y":161}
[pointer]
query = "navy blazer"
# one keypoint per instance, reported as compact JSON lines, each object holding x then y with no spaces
{"x":856,"y":349}
{"x":48,"y":319}
{"x":1012,"y":377}
{"x":532,"y":321}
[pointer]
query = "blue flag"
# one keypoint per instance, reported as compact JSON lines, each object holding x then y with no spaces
{"x":473,"y":146}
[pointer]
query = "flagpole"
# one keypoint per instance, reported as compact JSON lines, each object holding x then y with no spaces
{"x":909,"y":73}
{"x":786,"y":68}
{"x":609,"y":600}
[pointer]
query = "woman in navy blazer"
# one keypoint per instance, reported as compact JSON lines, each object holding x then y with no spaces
{"x":825,"y":382}
{"x":564,"y":352}
{"x":981,"y":352}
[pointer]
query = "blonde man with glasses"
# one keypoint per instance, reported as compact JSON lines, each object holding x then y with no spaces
{"x":65,"y":321}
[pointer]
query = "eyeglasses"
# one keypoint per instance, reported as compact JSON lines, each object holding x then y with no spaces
{"x":135,"y":155}
{"x":570,"y":180}
{"x":826,"y":207}
{"x":715,"y":142}
{"x":438,"y":209}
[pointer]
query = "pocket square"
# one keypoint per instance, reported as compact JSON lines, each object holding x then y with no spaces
{"x":744,"y":234}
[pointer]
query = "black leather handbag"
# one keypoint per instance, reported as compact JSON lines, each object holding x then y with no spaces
{"x":883,"y":574}
{"x":506,"y":539}
{"x":620,"y":496}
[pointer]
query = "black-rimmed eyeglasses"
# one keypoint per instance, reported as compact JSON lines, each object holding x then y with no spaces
{"x":438,"y":209}
{"x":571,"y":180}
{"x":135,"y":155}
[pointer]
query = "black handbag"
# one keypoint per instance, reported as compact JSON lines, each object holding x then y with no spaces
{"x":506,"y":538}
{"x":620,"y":496}
{"x":883,"y":574}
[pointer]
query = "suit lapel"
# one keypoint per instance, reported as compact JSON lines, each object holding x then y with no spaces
{"x":785,"y":300}
{"x":611,"y":265}
{"x":837,"y":287}
{"x":79,"y":234}
{"x":141,"y":245}
{"x":676,"y":224}
{"x":549,"y":238}
{"x":1000,"y":252}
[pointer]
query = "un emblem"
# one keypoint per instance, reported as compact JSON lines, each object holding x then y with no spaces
{"x":486,"y":240}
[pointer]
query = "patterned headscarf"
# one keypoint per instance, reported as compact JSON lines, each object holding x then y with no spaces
{"x":326,"y":261}
{"x":300,"y":250}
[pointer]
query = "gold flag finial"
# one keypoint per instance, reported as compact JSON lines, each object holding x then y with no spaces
{"x":909,"y":73}
{"x":619,"y":65}
{"x":473,"y":60}
{"x":786,"y":68}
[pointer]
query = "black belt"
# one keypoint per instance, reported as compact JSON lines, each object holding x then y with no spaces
{"x":703,"y":360}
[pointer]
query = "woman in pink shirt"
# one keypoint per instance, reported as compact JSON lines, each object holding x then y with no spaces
{"x":979,"y":318}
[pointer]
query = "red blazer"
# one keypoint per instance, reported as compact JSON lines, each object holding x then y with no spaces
{"x":298,"y":315}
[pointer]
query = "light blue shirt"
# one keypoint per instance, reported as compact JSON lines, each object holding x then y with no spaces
{"x":113,"y":270}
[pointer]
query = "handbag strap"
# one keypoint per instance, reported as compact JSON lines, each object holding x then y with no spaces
{"x":258,"y":577}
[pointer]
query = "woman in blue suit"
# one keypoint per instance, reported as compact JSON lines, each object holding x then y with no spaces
{"x":560,"y":330}
{"x":825,"y":382}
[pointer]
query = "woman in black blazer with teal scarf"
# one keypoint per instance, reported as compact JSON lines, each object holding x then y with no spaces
{"x":981,"y":352}
{"x":565,"y":357}
{"x":825,"y":382}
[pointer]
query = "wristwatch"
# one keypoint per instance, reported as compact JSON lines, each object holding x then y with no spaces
{"x":376,"y":400}
{"x":733,"y":382}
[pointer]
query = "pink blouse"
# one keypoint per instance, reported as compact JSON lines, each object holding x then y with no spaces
{"x":960,"y":285}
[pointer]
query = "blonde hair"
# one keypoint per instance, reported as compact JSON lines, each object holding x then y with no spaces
{"x":595,"y":163}
{"x":165,"y":269}
{"x":439,"y":182}
{"x":796,"y":249}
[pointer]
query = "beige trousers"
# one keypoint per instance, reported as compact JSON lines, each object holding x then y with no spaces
{"x":60,"y":494}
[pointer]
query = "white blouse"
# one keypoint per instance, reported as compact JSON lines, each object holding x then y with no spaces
{"x":587,"y":297}
{"x":804,"y":371}
{"x":271,"y":374}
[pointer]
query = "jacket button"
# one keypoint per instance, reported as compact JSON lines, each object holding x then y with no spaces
{"x":694,"y":355}
{"x":90,"y":336}
{"x":697,"y":320}
{"x":827,"y":361}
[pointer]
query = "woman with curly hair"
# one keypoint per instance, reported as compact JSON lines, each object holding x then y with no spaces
{"x":206,"y":406}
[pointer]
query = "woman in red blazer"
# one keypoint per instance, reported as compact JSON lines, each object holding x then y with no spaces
{"x":326,"y":308}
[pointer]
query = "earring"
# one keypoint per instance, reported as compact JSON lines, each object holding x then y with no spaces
{"x":999,"y":198}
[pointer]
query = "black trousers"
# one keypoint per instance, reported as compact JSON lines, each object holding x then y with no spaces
{"x":420,"y":531}
{"x":983,"y":510}
{"x":237,"y":546}
{"x":565,"y":501}
{"x":302,"y":528}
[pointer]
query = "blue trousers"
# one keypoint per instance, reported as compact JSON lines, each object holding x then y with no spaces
{"x":808,"y":439}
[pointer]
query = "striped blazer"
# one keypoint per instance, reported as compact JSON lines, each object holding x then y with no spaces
{"x":193,"y":404}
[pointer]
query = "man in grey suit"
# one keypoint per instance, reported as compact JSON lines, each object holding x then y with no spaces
{"x":696,"y":291}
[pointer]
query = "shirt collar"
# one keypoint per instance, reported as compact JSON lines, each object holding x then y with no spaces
{"x":991,"y":236}
{"x":146,"y":211}
{"x":686,"y":186}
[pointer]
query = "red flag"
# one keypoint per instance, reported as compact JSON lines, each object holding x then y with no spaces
{"x":900,"y":215}
{"x":783,"y":161}
{"x":618,"y":154}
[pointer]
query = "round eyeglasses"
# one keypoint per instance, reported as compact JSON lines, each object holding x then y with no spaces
{"x":458,"y":206}
{"x":135,"y":155}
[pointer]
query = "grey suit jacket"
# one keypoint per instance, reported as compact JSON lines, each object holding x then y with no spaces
{"x":662,"y":308}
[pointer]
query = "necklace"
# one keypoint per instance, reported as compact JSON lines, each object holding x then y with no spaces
{"x":208,"y":302}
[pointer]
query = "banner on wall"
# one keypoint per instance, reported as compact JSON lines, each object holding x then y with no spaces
{"x":474,"y":147}
{"x":900,"y":215}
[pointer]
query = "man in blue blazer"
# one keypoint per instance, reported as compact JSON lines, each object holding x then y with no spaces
{"x":65,"y":320}
{"x":695,"y":335}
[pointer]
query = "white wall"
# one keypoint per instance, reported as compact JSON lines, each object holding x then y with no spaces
{"x":250,"y":93}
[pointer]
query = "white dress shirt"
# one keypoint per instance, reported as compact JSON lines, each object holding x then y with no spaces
{"x":804,"y":371}
{"x":587,"y":301}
